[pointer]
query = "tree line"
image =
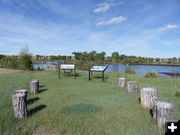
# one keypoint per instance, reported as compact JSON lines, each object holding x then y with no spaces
{"x":83,"y":59}
{"x":21,"y":61}
{"x":115,"y":57}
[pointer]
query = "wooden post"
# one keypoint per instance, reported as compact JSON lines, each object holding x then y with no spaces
{"x":102,"y":76}
{"x":22,"y":91}
{"x":19,"y":105}
{"x":133,"y":86}
{"x":74,"y":74}
{"x":34,"y":86}
{"x":148,"y":97}
{"x":64,"y":72}
{"x":59,"y":70}
{"x":121,"y":82}
{"x":163,"y":111}
{"x":89,"y":74}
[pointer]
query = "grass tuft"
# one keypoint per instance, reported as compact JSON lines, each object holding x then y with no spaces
{"x":81,"y":108}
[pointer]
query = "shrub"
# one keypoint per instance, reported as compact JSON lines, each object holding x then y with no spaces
{"x":178,"y":93}
{"x":82,"y":65}
{"x":129,"y":70}
{"x":9,"y":62}
{"x":151,"y":74}
{"x":25,"y":61}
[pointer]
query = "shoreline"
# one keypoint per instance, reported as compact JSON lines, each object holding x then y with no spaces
{"x":175,"y":65}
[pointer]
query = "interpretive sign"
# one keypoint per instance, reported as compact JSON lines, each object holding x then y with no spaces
{"x":64,"y":67}
{"x":67,"y":66}
{"x":97,"y":69}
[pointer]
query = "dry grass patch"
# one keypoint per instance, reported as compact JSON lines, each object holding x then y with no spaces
{"x":6,"y":70}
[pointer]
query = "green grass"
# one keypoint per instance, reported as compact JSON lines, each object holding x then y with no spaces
{"x":69,"y":106}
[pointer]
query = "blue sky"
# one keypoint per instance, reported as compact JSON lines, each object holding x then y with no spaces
{"x":149,"y":28}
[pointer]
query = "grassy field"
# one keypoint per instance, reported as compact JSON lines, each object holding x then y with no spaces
{"x":69,"y":106}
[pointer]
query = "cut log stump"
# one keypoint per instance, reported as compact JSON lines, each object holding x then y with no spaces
{"x":34,"y":86}
{"x":19,"y":105}
{"x":121,"y":82}
{"x":22,"y":91}
{"x":148,"y":97}
{"x":163,"y":111}
{"x":133,"y":86}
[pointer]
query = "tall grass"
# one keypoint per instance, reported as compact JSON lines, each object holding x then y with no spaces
{"x":129,"y":70}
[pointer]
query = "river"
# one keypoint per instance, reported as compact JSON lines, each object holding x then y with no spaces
{"x":142,"y":69}
{"x":139,"y":69}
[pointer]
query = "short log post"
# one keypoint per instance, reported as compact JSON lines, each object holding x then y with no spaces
{"x":19,"y":105}
{"x":148,"y":97}
{"x":34,"y":86}
{"x":22,"y":91}
{"x":133,"y":86}
{"x":163,"y":111}
{"x":121,"y":82}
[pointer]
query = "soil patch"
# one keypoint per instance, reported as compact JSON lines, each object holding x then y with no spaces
{"x":6,"y":70}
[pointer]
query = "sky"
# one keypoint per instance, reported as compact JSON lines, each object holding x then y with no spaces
{"x":147,"y":28}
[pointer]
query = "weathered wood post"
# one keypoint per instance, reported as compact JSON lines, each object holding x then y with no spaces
{"x":133,"y":86}
{"x":90,"y":74}
{"x":102,"y":76}
{"x":19,"y":104}
{"x":121,"y":82}
{"x":163,"y":111}
{"x":34,"y":86}
{"x":59,"y":72}
{"x":22,"y":91}
{"x":148,"y":97}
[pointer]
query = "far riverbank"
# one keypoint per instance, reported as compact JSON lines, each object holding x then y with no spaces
{"x":177,"y":65}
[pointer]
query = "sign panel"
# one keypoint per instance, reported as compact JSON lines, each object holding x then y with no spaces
{"x":67,"y":66}
{"x":98,"y":68}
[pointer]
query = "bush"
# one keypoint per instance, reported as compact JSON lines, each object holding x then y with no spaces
{"x":82,"y":65}
{"x":178,"y":93}
{"x":25,"y":61}
{"x":129,"y":70}
{"x":151,"y":74}
{"x":9,"y":62}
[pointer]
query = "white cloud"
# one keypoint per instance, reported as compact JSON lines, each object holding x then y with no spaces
{"x":103,"y":7}
{"x":114,"y":20}
{"x":167,"y":27}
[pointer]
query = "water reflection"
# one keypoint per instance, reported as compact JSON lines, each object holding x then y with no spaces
{"x":142,"y":69}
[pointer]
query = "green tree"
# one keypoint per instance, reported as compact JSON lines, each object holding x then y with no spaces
{"x":174,"y":59}
{"x":115,"y":56}
{"x":122,"y":57}
{"x":77,"y":55}
{"x":169,"y":60}
{"x":157,"y":59}
{"x":2,"y":56}
{"x":92,"y":55}
{"x":25,"y":59}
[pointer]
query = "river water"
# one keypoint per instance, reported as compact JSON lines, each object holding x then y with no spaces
{"x":142,"y":69}
{"x":139,"y":69}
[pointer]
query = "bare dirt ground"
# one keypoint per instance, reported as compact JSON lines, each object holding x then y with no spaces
{"x":6,"y":70}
